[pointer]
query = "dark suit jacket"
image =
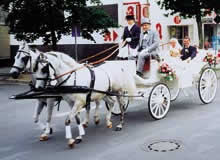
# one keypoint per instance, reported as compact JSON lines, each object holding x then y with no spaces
{"x":188,"y":52}
{"x":134,"y":34}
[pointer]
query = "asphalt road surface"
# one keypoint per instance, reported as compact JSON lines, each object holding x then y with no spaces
{"x":191,"y":131}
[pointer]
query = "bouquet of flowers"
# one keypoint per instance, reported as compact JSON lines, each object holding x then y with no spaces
{"x":211,"y":59}
{"x":167,"y":72}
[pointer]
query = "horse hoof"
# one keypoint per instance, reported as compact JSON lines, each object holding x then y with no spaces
{"x":109,"y":126}
{"x":44,"y":138}
{"x":85,"y":125}
{"x":51,"y":130}
{"x":77,"y":141}
{"x":97,"y":122}
{"x":118,"y":129}
{"x":71,"y":143}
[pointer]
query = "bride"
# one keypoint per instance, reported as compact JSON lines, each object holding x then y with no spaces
{"x":174,"y":48}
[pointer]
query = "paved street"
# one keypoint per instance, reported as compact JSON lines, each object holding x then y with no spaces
{"x":194,"y":127}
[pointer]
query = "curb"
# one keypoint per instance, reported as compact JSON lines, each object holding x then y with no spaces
{"x":23,"y":79}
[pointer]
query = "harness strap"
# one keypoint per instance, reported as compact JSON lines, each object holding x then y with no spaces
{"x":18,"y":68}
{"x":92,"y":84}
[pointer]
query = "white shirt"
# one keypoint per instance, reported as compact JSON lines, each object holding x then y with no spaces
{"x":130,"y":26}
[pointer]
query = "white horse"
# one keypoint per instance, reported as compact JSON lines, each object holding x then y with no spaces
{"x":117,"y":80}
{"x":24,"y":59}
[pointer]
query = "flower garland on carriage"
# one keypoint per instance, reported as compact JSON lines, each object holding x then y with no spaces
{"x":211,"y":59}
{"x":167,"y":72}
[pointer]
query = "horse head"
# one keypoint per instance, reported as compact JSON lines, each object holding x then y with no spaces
{"x":43,"y":71}
{"x":22,"y":57}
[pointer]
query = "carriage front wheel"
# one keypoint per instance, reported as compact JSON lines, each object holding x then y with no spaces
{"x":207,"y":85}
{"x":116,"y":109}
{"x":159,"y":101}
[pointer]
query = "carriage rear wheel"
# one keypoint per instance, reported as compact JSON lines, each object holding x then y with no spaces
{"x":207,"y":85}
{"x":116,"y":109}
{"x":159,"y":101}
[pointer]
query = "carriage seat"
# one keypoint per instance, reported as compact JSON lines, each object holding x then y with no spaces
{"x":147,"y":62}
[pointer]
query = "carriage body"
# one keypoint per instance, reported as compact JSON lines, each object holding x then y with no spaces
{"x":198,"y":74}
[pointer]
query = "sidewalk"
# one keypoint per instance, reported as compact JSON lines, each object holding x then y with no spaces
{"x":23,"y":78}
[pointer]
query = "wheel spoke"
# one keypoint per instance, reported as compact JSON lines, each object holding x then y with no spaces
{"x":152,"y":108}
{"x":162,"y":108}
{"x":156,"y":110}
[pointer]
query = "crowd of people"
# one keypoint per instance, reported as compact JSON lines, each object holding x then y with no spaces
{"x":142,"y":43}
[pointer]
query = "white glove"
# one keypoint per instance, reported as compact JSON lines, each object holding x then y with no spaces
{"x":128,"y":39}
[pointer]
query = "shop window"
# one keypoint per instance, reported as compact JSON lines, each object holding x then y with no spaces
{"x":210,"y":38}
{"x":179,"y":32}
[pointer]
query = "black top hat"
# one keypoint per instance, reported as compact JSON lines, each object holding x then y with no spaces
{"x":130,"y":17}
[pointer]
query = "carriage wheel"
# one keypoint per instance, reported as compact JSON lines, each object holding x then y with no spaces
{"x":116,"y":109}
{"x":174,"y":92}
{"x":159,"y":101}
{"x":207,"y":85}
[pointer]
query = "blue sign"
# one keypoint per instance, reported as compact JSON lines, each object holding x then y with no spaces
{"x":75,"y":31}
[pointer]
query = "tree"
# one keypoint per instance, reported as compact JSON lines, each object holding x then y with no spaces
{"x":190,"y":9}
{"x":33,"y":19}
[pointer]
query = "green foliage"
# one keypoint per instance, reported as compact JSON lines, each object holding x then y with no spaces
{"x":190,"y":9}
{"x":33,"y":19}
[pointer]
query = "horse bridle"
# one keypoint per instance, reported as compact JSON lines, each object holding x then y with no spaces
{"x":25,"y":61}
{"x":48,"y":79}
{"x":45,"y":70}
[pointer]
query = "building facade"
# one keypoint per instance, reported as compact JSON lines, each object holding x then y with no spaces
{"x":4,"y":39}
{"x":167,"y":27}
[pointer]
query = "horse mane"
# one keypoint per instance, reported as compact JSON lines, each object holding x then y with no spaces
{"x":64,"y":58}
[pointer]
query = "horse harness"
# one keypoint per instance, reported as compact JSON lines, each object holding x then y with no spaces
{"x":24,"y":59}
{"x":91,"y":86}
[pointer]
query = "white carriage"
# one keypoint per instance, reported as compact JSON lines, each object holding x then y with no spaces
{"x":160,"y":92}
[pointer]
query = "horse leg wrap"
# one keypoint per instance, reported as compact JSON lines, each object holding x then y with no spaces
{"x":81,"y":130}
{"x":47,"y":131}
{"x":68,"y":132}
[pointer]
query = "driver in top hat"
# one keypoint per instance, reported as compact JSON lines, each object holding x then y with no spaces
{"x":149,"y":45}
{"x":131,"y":35}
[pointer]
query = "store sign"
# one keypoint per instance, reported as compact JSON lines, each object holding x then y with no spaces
{"x":111,"y":36}
{"x":159,"y":29}
{"x":177,"y":20}
{"x":145,"y":10}
{"x":207,"y":20}
{"x":132,"y":8}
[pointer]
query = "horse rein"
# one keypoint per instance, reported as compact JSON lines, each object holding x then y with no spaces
{"x":89,"y":64}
